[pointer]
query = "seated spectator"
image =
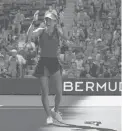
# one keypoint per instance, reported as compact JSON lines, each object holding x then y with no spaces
{"x":100,"y":45}
{"x":15,"y":64}
{"x":30,"y":46}
{"x":30,"y":50}
{"x":5,"y":53}
{"x":9,"y":39}
{"x":22,"y":63}
{"x":21,"y":42}
{"x":93,"y":67}
{"x":113,"y":71}
{"x":61,"y":16}
{"x":51,"y":10}
{"x":86,"y":72}
{"x":118,"y":75}
{"x":4,"y":34}
{"x":106,"y":73}
{"x":101,"y":68}
{"x":72,"y":73}
{"x":89,"y":49}
{"x":80,"y":33}
{"x":79,"y":62}
{"x":98,"y":58}
{"x":82,"y":17}
{"x":2,"y":64}
{"x":69,"y":56}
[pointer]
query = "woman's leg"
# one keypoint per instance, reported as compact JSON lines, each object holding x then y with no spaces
{"x":57,"y":78}
{"x":44,"y":94}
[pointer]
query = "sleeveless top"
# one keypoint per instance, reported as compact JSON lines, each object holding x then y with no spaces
{"x":49,"y":44}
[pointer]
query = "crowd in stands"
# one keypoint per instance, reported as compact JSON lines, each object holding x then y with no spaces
{"x":18,"y":54}
{"x":95,"y":51}
{"x":96,"y":34}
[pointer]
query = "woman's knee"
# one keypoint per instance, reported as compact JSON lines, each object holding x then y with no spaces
{"x":59,"y":94}
{"x":57,"y":78}
{"x":44,"y":90}
{"x":58,"y":87}
{"x":44,"y":86}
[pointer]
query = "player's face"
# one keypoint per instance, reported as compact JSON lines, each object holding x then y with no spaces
{"x":50,"y":23}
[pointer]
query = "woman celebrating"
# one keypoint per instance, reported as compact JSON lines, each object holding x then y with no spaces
{"x":48,"y":65}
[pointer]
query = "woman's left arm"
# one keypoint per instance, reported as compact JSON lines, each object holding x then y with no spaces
{"x":63,"y":36}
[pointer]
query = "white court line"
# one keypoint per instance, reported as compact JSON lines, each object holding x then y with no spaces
{"x":38,"y":108}
{"x":21,"y":108}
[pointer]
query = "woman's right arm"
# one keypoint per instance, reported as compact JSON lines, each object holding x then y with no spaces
{"x":32,"y":32}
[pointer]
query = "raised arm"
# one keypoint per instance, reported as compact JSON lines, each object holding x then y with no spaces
{"x":62,"y":35}
{"x":32,"y":32}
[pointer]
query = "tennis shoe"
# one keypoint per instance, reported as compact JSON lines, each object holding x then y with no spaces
{"x":56,"y":115}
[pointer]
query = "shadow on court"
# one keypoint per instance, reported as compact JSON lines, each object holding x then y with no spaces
{"x":31,"y":119}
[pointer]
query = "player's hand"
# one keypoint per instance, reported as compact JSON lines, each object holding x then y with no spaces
{"x":36,"y":15}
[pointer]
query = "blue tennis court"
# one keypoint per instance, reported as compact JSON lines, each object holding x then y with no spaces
{"x":32,"y":118}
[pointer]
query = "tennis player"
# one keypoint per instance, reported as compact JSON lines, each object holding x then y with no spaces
{"x":48,"y":66}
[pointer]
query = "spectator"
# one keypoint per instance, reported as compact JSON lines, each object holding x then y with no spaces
{"x":98,"y":58}
{"x":93,"y":67}
{"x":95,"y":37}
{"x":86,"y":72}
{"x":15,"y":64}
{"x":118,"y":75}
{"x":72,"y":73}
{"x":5,"y":53}
{"x":22,"y":63}
{"x":18,"y":21}
{"x":106,"y":73}
{"x":69,"y":56}
{"x":51,"y":10}
{"x":21,"y":42}
{"x":79,"y":62}
{"x":89,"y":49}
{"x":30,"y":49}
{"x":61,"y":16}
{"x":101,"y":68}
{"x":4,"y":34}
{"x":82,"y":17}
{"x":2,"y":64}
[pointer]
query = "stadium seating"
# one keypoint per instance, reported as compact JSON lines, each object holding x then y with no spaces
{"x":27,"y":8}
